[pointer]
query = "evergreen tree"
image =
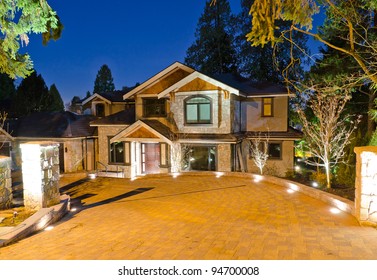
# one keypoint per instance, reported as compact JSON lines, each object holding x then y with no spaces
{"x":31,"y":96}
{"x":266,"y":63}
{"x":104,"y":80}
{"x":17,"y":20}
{"x":54,"y":101}
{"x":7,"y":92}
{"x":213,"y":51}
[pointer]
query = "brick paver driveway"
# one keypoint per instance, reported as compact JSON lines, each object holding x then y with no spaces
{"x":196,"y":217}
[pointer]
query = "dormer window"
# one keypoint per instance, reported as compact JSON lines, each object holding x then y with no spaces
{"x":154,"y":107}
{"x":100,"y":110}
{"x":198,"y":110}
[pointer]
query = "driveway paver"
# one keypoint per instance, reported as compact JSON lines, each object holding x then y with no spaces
{"x":196,"y":218}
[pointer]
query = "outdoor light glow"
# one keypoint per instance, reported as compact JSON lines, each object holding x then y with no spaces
{"x":219,"y":174}
{"x":192,"y":159}
{"x":49,"y":228}
{"x":315,"y":184}
{"x":335,"y":210}
{"x":297,"y":168}
{"x":257,"y":178}
{"x":175,"y":174}
{"x":293,"y":187}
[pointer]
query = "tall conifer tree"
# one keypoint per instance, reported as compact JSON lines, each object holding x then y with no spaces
{"x":213,"y":51}
{"x":104,"y":80}
{"x":266,"y":63}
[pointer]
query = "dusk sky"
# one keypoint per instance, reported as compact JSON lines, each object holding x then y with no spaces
{"x":136,"y":39}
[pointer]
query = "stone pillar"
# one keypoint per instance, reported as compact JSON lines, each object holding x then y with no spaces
{"x":40,"y":174}
{"x":5,"y":183}
{"x":366,"y":185}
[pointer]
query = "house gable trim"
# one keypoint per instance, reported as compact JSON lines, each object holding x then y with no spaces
{"x":131,"y":133}
{"x":175,"y":87}
{"x":94,"y":96}
{"x":156,"y":78}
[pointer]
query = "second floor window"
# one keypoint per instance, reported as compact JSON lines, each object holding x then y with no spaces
{"x":267,"y":107}
{"x":198,"y":110}
{"x":153,"y":107}
{"x":100,"y":110}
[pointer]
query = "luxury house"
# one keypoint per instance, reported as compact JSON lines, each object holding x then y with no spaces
{"x":178,"y":120}
{"x":182,"y":120}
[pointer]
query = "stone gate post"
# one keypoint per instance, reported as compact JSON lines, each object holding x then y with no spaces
{"x":366,"y":185}
{"x":40,"y":174}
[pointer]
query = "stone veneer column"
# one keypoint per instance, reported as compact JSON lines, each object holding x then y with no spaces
{"x":366,"y":185}
{"x":40,"y":174}
{"x":5,"y":183}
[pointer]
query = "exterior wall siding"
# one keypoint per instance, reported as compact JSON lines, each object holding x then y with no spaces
{"x":275,"y":167}
{"x":103,"y":145}
{"x":252,"y":119}
{"x":221,"y":114}
{"x":224,"y":158}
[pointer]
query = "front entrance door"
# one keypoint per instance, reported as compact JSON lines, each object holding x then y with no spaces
{"x":150,"y":158}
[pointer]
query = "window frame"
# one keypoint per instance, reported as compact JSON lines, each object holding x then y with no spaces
{"x":112,"y":157}
{"x":102,"y":110}
{"x":264,"y":103}
{"x":198,"y":121}
{"x":158,"y":102}
{"x":281,"y":150}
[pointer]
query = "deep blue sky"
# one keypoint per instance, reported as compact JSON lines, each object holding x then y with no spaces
{"x":136,"y":39}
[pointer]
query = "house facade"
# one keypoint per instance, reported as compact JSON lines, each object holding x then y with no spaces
{"x":183,"y":120}
{"x":78,"y":144}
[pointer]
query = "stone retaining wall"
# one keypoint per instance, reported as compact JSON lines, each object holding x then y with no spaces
{"x":5,"y":183}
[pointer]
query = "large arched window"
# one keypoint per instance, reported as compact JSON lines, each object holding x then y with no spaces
{"x":198,"y":110}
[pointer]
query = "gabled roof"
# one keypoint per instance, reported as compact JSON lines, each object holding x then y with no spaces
{"x":158,"y":77}
{"x":54,"y":125}
{"x":124,"y":117}
{"x":198,"y":75}
{"x":250,"y":88}
{"x":108,"y":97}
{"x":145,"y":129}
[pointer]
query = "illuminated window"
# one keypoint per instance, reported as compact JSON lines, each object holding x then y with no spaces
{"x":267,"y":107}
{"x":198,"y":110}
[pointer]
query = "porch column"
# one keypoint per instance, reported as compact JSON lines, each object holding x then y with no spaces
{"x":40,"y":174}
{"x":366,"y":185}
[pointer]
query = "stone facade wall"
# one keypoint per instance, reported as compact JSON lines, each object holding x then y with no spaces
{"x":366,"y":185}
{"x":5,"y":183}
{"x":73,"y":155}
{"x":40,"y":174}
{"x":221,"y":114}
{"x":252,"y":119}
{"x":224,"y":158}
{"x":103,"y":143}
